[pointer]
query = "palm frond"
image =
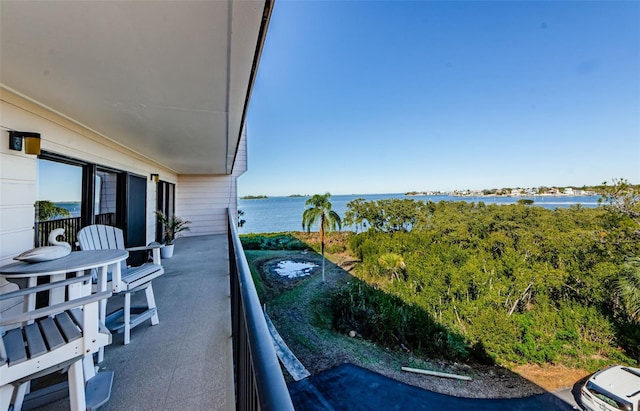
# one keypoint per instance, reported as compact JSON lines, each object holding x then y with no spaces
{"x":629,"y":288}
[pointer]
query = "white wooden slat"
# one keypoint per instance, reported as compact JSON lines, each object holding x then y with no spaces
{"x":51,"y":333}
{"x":14,"y":346}
{"x":82,"y":237}
{"x":102,"y":237}
{"x":35,"y":342}
{"x":119,"y":239}
{"x":68,"y":327}
{"x":97,"y":237}
{"x":85,"y":238}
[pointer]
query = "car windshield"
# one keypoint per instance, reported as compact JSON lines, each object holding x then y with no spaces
{"x":607,"y":397}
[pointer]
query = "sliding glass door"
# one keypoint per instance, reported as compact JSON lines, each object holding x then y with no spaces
{"x":73,"y":194}
{"x":165,"y":202}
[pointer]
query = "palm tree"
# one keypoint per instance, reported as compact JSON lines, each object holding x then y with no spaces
{"x":319,"y":208}
{"x":629,"y":288}
{"x":393,"y":264}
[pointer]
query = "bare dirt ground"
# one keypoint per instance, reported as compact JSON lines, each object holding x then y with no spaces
{"x":299,"y":310}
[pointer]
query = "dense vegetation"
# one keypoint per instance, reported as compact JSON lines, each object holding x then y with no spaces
{"x":271,"y":242}
{"x":521,"y":283}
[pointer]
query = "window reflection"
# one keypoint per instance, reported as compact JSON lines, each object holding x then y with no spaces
{"x":59,"y":200}
{"x":59,"y":190}
{"x":106,"y":188}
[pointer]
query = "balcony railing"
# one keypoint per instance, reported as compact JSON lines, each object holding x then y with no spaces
{"x":259,"y":382}
{"x":71,"y":227}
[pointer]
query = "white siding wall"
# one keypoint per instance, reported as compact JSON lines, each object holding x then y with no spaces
{"x":204,"y":200}
{"x":17,"y":196}
{"x":18,"y":171}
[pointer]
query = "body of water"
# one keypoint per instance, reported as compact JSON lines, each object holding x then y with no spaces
{"x":276,"y":214}
{"x":72,"y":207}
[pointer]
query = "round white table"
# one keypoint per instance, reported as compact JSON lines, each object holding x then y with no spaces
{"x":74,"y":262}
{"x":27,"y":274}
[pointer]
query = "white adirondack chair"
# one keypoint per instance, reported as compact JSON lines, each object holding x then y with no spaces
{"x":51,"y":339}
{"x":127,"y":280}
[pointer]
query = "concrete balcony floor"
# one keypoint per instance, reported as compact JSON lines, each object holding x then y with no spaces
{"x":184,"y":362}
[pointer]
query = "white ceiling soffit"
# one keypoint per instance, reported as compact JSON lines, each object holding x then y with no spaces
{"x":168,"y":79}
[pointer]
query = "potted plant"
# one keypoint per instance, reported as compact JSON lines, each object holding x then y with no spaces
{"x":173,"y":226}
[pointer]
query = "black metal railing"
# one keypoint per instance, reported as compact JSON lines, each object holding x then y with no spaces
{"x":71,"y":227}
{"x":259,"y":382}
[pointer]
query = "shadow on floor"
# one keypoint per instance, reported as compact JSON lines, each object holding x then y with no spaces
{"x":349,"y":387}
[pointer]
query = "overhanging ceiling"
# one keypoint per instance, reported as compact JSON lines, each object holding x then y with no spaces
{"x":167,"y":79}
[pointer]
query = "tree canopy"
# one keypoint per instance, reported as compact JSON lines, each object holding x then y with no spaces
{"x":527,"y":284}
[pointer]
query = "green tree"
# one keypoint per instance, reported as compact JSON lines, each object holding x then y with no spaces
{"x":47,"y":210}
{"x":622,"y":198}
{"x":629,"y":288}
{"x":319,"y":208}
{"x":390,"y":215}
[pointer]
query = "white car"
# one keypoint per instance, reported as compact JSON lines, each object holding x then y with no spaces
{"x":612,"y":389}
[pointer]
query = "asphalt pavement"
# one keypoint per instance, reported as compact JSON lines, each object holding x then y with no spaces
{"x":349,"y":387}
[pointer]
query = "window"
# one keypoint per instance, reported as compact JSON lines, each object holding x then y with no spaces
{"x":73,"y":194}
{"x":59,"y":199}
{"x":608,"y":398}
{"x":61,"y":185}
{"x":165,"y":203}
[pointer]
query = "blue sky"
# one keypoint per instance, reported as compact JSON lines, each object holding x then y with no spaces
{"x":59,"y":182}
{"x":393,"y":96}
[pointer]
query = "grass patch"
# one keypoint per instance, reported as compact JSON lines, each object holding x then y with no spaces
{"x":255,"y":274}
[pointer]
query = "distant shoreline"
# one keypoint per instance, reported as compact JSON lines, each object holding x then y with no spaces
{"x":588,"y":194}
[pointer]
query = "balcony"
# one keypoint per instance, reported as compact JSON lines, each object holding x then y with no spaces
{"x":187,"y":360}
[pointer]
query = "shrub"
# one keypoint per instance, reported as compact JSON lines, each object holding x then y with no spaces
{"x":387,"y":320}
{"x":272,"y":242}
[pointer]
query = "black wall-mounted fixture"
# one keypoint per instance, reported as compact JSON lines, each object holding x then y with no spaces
{"x":155,"y":177}
{"x":31,"y":141}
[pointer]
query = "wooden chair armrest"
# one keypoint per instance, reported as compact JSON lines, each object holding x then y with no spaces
{"x":154,"y":247}
{"x":53,"y":309}
{"x":44,"y":287}
{"x":144,"y":247}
